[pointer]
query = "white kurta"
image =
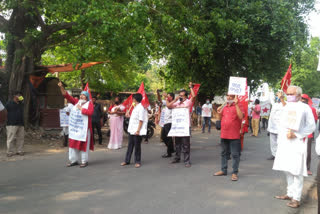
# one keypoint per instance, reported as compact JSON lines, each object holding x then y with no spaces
{"x":292,"y":153}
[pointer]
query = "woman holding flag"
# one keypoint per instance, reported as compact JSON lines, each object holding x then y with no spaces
{"x":80,"y":127}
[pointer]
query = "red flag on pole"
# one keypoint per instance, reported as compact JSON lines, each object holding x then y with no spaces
{"x":196,"y":88}
{"x":88,"y":90}
{"x":145,"y":100}
{"x":286,"y":80}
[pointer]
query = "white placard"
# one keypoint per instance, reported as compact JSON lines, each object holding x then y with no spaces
{"x":64,"y":118}
{"x":265,"y":108}
{"x":180,"y":123}
{"x":315,"y":102}
{"x":293,"y":117}
{"x":237,"y":86}
{"x":78,"y":124}
{"x":161,"y":122}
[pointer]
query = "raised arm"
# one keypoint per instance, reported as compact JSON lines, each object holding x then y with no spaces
{"x":66,"y":94}
{"x":193,"y":96}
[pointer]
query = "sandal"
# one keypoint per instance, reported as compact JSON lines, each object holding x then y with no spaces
{"x":84,"y":165}
{"x":293,"y":204}
{"x":283,"y":197}
{"x":137,"y":165}
{"x":234,"y":177}
{"x":123,"y":164}
{"x":72,"y":164}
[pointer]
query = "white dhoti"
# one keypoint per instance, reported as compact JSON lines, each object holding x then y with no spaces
{"x":273,"y":144}
{"x":295,"y":186}
{"x":76,"y":155}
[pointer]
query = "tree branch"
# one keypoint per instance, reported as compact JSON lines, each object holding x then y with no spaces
{"x":3,"y":24}
{"x":50,"y":29}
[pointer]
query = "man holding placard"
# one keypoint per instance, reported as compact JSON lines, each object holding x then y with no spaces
{"x":231,"y":117}
{"x":180,"y":128}
{"x":206,"y":115}
{"x":296,"y":123}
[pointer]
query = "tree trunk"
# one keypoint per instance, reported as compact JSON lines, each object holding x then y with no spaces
{"x":21,"y":56}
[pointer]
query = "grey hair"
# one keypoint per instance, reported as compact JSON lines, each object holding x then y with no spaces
{"x":298,"y":89}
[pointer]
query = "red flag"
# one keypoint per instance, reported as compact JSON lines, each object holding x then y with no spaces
{"x":127,"y":103}
{"x":145,"y":100}
{"x":286,"y":80}
{"x":88,"y":90}
{"x":243,"y":101}
{"x":196,"y":88}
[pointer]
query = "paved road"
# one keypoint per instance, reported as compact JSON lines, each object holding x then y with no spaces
{"x":45,"y":185}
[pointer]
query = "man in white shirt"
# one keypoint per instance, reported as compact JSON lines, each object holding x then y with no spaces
{"x":273,"y":125}
{"x":206,"y":115}
{"x":296,"y":123}
{"x":167,"y":123}
{"x":137,"y":128}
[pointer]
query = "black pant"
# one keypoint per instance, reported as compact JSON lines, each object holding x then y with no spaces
{"x":168,"y":140}
{"x":309,"y":153}
{"x":264,"y":123}
{"x":183,"y":143}
{"x":233,"y":146}
{"x":97,"y":125}
{"x":250,"y":125}
{"x":65,"y":140}
{"x":134,"y":142}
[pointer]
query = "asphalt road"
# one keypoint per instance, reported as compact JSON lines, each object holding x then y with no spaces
{"x":45,"y":185}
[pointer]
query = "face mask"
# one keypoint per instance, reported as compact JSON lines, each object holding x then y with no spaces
{"x":117,"y":103}
{"x":134,"y":104}
{"x":230,"y":101}
{"x":180,"y":99}
{"x":208,"y":101}
{"x":20,"y":98}
{"x":82,"y":101}
{"x":277,"y":99}
{"x":291,"y":98}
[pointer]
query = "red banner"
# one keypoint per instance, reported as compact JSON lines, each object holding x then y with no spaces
{"x":286,"y":80}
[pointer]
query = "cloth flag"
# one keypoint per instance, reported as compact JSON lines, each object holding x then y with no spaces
{"x":286,"y":80}
{"x":88,"y":90}
{"x":196,"y":88}
{"x":145,"y":101}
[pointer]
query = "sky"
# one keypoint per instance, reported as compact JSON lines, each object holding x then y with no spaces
{"x":314,"y":21}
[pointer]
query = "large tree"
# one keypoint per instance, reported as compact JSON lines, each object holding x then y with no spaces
{"x":208,"y":41}
{"x":97,"y":30}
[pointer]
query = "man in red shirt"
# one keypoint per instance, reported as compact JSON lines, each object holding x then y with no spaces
{"x":231,"y":116}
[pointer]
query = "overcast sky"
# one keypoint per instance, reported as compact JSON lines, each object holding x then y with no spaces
{"x":314,"y":21}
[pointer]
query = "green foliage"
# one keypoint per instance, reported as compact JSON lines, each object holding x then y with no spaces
{"x":204,"y":41}
{"x":304,"y":72}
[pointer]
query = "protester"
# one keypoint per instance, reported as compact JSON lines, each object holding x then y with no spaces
{"x":65,"y":129}
{"x":264,"y":120}
{"x":167,"y":122}
{"x":137,"y":128}
{"x":199,"y":113}
{"x":296,"y":123}
{"x":116,"y":124}
{"x":183,"y":142}
{"x":318,"y":171}
{"x":206,"y":115}
{"x":306,"y":99}
{"x":15,"y":125}
{"x":79,"y":150}
{"x":256,"y":118}
{"x":273,"y":125}
{"x":231,"y":117}
{"x":96,"y":119}
{"x":250,"y":116}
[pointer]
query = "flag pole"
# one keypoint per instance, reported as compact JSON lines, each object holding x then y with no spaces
{"x":283,"y":84}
